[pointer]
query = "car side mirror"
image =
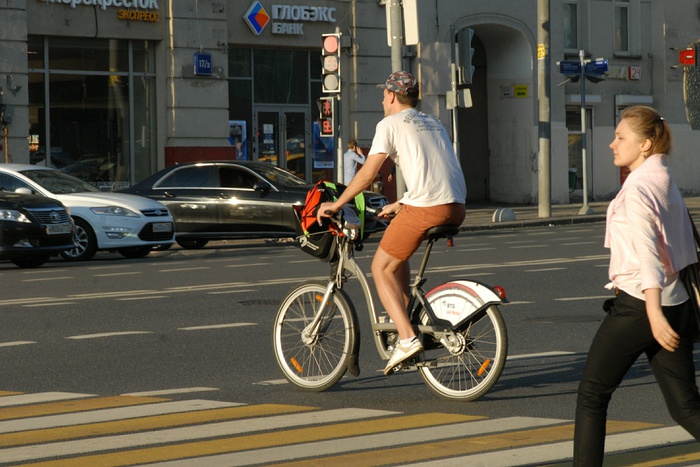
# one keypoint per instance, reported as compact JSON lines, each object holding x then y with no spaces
{"x":261,"y":186}
{"x":23,"y":190}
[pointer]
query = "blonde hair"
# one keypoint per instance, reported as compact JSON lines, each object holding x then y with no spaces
{"x":648,"y":123}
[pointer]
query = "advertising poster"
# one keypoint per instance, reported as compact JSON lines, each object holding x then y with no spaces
{"x":237,"y":131}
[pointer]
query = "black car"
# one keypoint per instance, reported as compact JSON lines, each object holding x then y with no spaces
{"x":233,"y":199}
{"x":33,"y":228}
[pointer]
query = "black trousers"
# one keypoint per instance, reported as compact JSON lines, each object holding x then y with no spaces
{"x":623,"y":336}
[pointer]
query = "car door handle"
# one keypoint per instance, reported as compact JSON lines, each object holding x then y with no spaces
{"x":168,"y":194}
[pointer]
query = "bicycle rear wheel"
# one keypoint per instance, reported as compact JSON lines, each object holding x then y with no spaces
{"x":467,"y":366}
{"x":314,"y":363}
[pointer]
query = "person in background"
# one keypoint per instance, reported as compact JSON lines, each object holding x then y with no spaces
{"x":419,"y":144}
{"x":650,"y":238}
{"x":351,"y":158}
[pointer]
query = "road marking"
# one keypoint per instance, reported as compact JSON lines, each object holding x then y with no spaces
{"x":150,"y":297}
{"x":272,"y":382}
{"x":545,"y":269}
{"x":22,"y":399}
{"x":221,"y":292}
{"x":186,"y":435}
{"x":42,"y":305}
{"x":216,"y":326}
{"x":377,"y":436}
{"x":138,"y":423}
{"x":539,"y":355}
{"x":15,"y":343}
{"x":111,"y":274}
{"x":40,"y":279}
{"x":108,"y":334}
{"x":595,"y":297}
{"x":562,"y":451}
{"x":184,"y":269}
{"x":165,"y":392}
{"x":246,"y":265}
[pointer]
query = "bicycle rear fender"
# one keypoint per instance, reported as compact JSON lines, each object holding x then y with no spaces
{"x":447,"y":307}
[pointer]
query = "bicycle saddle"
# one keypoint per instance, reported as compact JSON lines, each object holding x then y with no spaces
{"x":442,"y":231}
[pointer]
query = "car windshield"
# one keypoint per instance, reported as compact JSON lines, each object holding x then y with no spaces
{"x":277,"y":176}
{"x":57,"y":182}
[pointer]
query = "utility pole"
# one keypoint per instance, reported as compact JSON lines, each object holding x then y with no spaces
{"x":544,"y":164}
{"x":395,"y":13}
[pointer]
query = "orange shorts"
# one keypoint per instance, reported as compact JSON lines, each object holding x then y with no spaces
{"x":407,"y":230}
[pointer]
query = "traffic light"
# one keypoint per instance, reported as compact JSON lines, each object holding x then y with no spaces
{"x":466,"y":55}
{"x":330,"y":58}
{"x":327,"y":122}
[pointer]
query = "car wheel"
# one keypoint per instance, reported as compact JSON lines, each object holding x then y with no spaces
{"x":85,"y":243}
{"x":135,"y":252}
{"x":33,"y":261}
{"x":191,"y":243}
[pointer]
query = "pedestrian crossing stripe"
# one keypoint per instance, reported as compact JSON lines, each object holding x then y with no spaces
{"x":134,"y":425}
{"x":38,"y":410}
{"x":87,"y":430}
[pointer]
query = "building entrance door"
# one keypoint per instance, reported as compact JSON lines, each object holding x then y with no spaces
{"x":282,"y":138}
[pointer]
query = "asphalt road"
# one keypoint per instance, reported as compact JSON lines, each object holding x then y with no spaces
{"x":197,"y":324}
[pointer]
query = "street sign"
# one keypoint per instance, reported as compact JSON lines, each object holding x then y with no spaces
{"x":202,"y":64}
{"x":597,"y":67}
{"x":567,"y":67}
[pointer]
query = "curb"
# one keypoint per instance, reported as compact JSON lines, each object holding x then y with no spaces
{"x":534,"y":223}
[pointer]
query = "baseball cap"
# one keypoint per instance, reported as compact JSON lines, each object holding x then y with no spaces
{"x":400,"y":82}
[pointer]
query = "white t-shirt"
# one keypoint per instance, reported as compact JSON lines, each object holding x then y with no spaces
{"x":419,"y":145}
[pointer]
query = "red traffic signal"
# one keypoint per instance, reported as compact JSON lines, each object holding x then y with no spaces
{"x":686,"y":57}
{"x":327,"y":121}
{"x":330,"y":62}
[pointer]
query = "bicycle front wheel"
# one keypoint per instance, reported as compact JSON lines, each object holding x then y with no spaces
{"x":314,"y":361}
{"x":469,"y":364}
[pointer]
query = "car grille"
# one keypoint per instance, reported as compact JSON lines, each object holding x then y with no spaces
{"x":48,"y":216}
{"x":155,"y":212}
{"x":148,"y":235}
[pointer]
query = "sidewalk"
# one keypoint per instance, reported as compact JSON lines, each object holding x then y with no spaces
{"x":480,"y":216}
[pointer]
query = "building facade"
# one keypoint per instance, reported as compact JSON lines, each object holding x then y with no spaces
{"x":113,"y":90}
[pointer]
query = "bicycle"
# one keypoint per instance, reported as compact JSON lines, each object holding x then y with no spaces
{"x":316,"y":334}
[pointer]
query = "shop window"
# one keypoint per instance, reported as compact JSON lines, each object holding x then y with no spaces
{"x":98,"y":116}
{"x":281,"y":76}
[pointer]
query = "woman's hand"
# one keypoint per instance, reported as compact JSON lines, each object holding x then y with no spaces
{"x":660,"y":329}
{"x":664,"y":333}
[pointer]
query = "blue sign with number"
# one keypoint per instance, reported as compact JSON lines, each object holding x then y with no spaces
{"x":202,"y":64}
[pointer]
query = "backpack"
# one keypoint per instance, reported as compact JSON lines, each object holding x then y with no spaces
{"x":319,"y":240}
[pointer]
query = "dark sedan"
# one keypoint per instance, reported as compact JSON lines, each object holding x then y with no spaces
{"x":32,"y":229}
{"x":231,"y":199}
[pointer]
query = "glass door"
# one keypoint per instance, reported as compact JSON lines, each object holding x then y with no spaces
{"x":282,"y":138}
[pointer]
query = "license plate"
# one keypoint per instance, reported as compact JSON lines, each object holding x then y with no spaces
{"x":53,"y":229}
{"x":162,"y":227}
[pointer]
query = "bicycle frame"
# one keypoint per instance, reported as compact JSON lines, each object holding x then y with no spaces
{"x":417,"y":300}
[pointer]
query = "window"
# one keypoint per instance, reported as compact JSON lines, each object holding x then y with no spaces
{"x":622,"y":25}
{"x":192,"y":177}
{"x":570,"y":26}
{"x":91,"y":108}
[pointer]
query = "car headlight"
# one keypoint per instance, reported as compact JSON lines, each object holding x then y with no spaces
{"x":114,"y":211}
{"x":14,"y":216}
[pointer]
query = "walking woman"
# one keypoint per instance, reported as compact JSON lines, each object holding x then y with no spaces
{"x":650,"y":239}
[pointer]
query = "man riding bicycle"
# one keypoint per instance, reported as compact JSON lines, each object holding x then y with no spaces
{"x":420,"y":146}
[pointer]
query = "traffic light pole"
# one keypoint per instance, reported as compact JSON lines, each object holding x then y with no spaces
{"x":396,"y":25}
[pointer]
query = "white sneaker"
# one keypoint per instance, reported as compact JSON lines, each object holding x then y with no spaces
{"x":403,"y":353}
